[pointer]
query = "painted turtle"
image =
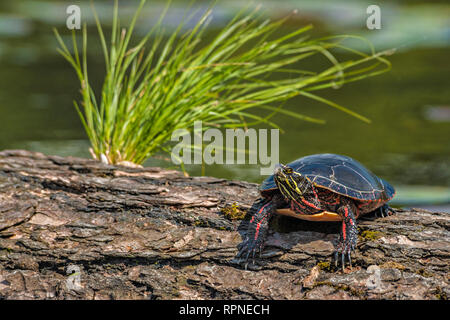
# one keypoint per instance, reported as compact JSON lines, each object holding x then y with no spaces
{"x":321,"y":187}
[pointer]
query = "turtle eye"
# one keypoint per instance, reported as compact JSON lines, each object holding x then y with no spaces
{"x":288,"y":170}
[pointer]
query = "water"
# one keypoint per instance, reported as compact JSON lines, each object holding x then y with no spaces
{"x":407,"y":142}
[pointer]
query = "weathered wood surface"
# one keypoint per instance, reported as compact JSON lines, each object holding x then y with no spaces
{"x":155,"y":234}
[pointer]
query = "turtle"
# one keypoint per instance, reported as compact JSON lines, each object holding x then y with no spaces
{"x":319,"y":187}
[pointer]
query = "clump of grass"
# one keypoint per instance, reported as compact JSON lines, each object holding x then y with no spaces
{"x":162,"y":84}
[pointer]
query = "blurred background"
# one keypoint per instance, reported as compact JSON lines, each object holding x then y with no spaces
{"x":407,"y":143}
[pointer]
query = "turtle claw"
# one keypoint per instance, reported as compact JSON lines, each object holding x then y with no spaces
{"x":385,"y":211}
{"x":253,"y":256}
{"x":342,"y":254}
{"x":249,"y":248}
{"x":336,"y":258}
{"x":346,"y":253}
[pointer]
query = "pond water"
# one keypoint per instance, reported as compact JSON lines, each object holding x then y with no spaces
{"x":407,"y":142}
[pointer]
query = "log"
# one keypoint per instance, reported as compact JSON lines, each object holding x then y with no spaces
{"x":73,"y":228}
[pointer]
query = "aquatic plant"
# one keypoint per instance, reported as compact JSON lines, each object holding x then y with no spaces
{"x":164,"y":83}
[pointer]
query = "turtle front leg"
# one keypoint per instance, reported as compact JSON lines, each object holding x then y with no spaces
{"x":349,"y":234}
{"x":262,"y":211}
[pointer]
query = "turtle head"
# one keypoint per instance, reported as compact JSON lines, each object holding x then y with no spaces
{"x":292,"y":184}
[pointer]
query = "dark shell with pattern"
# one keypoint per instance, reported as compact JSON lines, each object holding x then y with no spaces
{"x":340,"y":174}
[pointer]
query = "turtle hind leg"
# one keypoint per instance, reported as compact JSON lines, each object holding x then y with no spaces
{"x":349,"y":234}
{"x":384,"y":211}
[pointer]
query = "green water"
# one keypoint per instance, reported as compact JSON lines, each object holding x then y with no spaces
{"x":402,"y":144}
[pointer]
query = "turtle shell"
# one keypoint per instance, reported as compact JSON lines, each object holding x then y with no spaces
{"x":340,"y":174}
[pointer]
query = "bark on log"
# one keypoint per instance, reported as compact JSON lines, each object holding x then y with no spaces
{"x":154,"y":234}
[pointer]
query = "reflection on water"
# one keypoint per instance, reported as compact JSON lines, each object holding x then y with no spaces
{"x":417,"y":195}
{"x":64,"y":148}
{"x":407,"y":142}
{"x":438,"y":113}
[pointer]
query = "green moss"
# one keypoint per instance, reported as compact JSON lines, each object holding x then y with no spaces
{"x":324,"y":266}
{"x":440,"y":294}
{"x":393,"y":264}
{"x":233,"y":212}
{"x":174,"y":292}
{"x":182,"y":281}
{"x":201,"y":223}
{"x":190,"y":267}
{"x":352,"y":291}
{"x":424,"y":273}
{"x":7,"y":251}
{"x":371,"y":235}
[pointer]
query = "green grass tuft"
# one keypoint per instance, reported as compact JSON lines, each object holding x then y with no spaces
{"x":162,"y":84}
